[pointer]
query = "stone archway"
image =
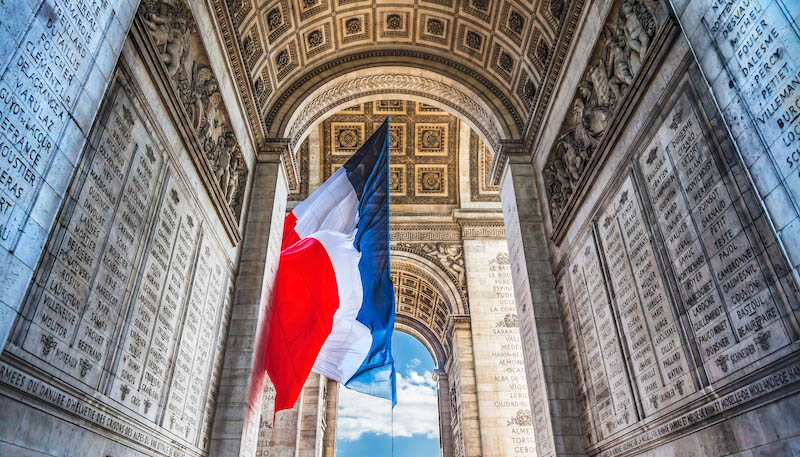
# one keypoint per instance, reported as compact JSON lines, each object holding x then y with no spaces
{"x":424,"y":306}
{"x":387,"y":83}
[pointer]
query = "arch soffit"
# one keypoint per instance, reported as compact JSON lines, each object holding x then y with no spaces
{"x":402,"y":260}
{"x":381,"y":83}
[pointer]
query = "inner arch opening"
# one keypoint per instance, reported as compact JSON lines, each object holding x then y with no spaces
{"x":365,"y":425}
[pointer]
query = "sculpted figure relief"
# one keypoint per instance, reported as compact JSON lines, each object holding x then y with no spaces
{"x":616,"y":60}
{"x":174,"y":32}
{"x":449,"y":255}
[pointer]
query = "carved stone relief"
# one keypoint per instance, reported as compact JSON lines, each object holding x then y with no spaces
{"x":174,"y":33}
{"x":450,"y":256}
{"x":615,"y":62}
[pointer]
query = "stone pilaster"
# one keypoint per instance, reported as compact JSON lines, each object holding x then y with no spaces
{"x":242,"y":382}
{"x":445,"y":416}
{"x":284,"y":434}
{"x":466,"y":385}
{"x":331,"y":408}
{"x":309,"y":433}
{"x":551,"y":391}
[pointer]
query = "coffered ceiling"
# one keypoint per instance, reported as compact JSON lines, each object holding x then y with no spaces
{"x":508,"y":51}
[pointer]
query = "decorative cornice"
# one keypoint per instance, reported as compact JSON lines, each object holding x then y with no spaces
{"x":501,"y":158}
{"x":471,"y":230}
{"x":534,"y":124}
{"x":427,"y":232}
{"x":231,"y":42}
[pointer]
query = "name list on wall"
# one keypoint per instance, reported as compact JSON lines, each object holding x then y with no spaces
{"x":650,"y":326}
{"x":695,"y":288}
{"x":56,"y":60}
{"x":761,"y":49}
{"x":135,"y":290}
{"x":504,"y":407}
{"x":732,"y":311}
{"x":89,"y":268}
{"x":583,"y":395}
{"x":545,"y":444}
{"x":612,"y":400}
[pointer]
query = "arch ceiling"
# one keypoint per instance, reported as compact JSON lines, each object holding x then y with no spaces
{"x":506,"y":52}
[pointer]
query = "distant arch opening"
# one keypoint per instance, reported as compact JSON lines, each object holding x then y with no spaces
{"x":365,"y":425}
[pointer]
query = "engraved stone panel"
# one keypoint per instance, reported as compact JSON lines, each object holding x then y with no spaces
{"x":89,"y":269}
{"x":157,"y":308}
{"x":612,"y":399}
{"x":575,"y":350}
{"x":48,"y":49}
{"x":660,"y":359}
{"x":733,"y":313}
{"x":503,"y":403}
{"x":130,"y":306}
{"x":760,"y":45}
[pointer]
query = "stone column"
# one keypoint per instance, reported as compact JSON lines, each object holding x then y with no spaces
{"x":463,"y":367}
{"x":445,"y":416}
{"x":331,"y":410}
{"x":284,"y":435}
{"x":551,"y":391}
{"x":309,"y":432}
{"x":45,"y":134}
{"x":242,"y":382}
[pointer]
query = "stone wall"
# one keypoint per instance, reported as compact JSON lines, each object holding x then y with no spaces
{"x":119,"y":334}
{"x":676,"y":291}
{"x":502,"y":388}
{"x":56,"y":61}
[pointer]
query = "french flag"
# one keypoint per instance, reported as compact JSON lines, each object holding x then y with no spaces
{"x":333,"y":308}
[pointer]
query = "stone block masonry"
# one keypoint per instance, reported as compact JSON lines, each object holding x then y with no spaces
{"x":56,"y":60}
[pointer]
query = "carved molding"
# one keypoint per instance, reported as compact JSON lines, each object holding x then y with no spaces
{"x":167,"y":34}
{"x":428,"y":232}
{"x":483,"y":229}
{"x":400,"y":84}
{"x":615,"y":70}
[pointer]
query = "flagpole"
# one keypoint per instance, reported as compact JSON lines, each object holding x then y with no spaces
{"x":392,"y":407}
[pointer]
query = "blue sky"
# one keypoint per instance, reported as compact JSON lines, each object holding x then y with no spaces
{"x":364,"y":423}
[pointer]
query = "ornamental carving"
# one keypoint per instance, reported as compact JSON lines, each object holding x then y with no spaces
{"x":617,"y":59}
{"x":174,"y":33}
{"x":523,"y":418}
{"x":449,"y":256}
{"x":459,"y":101}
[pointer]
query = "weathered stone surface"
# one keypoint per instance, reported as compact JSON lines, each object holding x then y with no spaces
{"x":55,"y":64}
{"x":502,"y":388}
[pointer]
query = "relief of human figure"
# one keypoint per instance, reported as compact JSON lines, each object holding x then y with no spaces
{"x":170,"y":34}
{"x":572,"y":158}
{"x":636,"y":35}
{"x":223,"y":171}
{"x":450,"y":254}
{"x":233,"y":181}
{"x":595,"y":116}
{"x":205,"y":100}
{"x":617,"y":63}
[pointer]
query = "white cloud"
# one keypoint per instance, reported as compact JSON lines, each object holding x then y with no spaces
{"x":414,"y":363}
{"x":416,"y":413}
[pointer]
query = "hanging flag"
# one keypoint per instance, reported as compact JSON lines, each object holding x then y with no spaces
{"x":333,"y":305}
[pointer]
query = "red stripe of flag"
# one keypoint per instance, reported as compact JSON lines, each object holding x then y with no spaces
{"x":305,"y":299}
